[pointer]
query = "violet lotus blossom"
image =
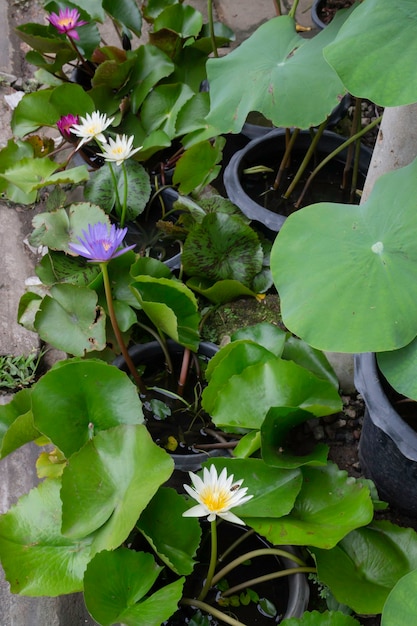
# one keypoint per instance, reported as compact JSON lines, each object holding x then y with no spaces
{"x":66,"y":22}
{"x":101,"y":243}
{"x":64,"y":124}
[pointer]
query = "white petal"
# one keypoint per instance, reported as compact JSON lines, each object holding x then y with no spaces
{"x":196,"y":511}
{"x":231,"y":517}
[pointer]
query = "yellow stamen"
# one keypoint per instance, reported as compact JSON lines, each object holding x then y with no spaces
{"x":214,"y":499}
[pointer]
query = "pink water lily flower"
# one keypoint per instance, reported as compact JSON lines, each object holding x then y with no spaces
{"x":101,"y":243}
{"x":65,"y":122}
{"x":66,"y":22}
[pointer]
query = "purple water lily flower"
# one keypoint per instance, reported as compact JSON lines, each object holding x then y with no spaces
{"x":66,"y":22}
{"x":101,"y":243}
{"x":64,"y":124}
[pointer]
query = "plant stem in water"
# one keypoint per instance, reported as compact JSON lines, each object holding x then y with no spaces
{"x":267,"y":577}
{"x":198,"y":604}
{"x":138,"y":380}
{"x":333,"y":154}
{"x":213,"y":561}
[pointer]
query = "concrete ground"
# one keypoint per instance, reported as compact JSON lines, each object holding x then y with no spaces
{"x":18,"y":262}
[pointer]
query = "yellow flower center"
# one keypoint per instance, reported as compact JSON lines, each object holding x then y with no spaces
{"x":66,"y":21}
{"x":106,"y":245}
{"x":215,"y":499}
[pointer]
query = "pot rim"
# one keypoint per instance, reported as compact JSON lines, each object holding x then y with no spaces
{"x":232,"y":173}
{"x":183,"y":462}
{"x":368,"y":382}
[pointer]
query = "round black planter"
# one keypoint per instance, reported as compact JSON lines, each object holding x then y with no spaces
{"x":317,"y":21}
{"x":317,"y":11}
{"x":290,"y":594}
{"x":388,"y":445}
{"x":151,"y":354}
{"x":268,"y":150}
{"x":136,"y":232}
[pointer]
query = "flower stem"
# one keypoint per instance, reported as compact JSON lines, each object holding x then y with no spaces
{"x":211,"y":27}
{"x":213,"y":561}
{"x":330,"y":156}
{"x":80,"y":57}
{"x":198,"y":604}
{"x":138,"y":380}
{"x":266,"y":577}
{"x":251,"y":555}
{"x":184,"y":371}
{"x":116,"y":191}
{"x":124,"y":205}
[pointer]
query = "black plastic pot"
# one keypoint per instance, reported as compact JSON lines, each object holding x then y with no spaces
{"x":388,"y":445}
{"x":317,"y":11}
{"x":268,"y":150}
{"x":151,"y":355}
{"x":317,"y":21}
{"x":290,"y":594}
{"x":137,"y":231}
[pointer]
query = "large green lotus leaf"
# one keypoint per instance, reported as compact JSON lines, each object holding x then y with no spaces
{"x":113,"y":73}
{"x":222,"y":247}
{"x":199,"y":165}
{"x":125,"y":12}
{"x":16,"y":423}
{"x":45,"y":107}
{"x":171,"y":307}
{"x":59,"y":267}
{"x":232,"y":359}
{"x":181,"y":19}
{"x":267,"y":335}
{"x":378,"y":40}
{"x":116,"y":585}
{"x":108,"y":483}
{"x":314,"y":618}
{"x":70,"y":320}
{"x":275,"y":72}
{"x":347,"y":275}
{"x":363,"y":568}
{"x":274,"y":490}
{"x":37,"y":559}
{"x":30,"y":174}
{"x":193,"y":114}
{"x":42,"y":38}
{"x":401,"y":604}
{"x":399,"y":368}
{"x":152,"y":65}
{"x":329,"y":506}
{"x":79,"y":398}
{"x":161,"y":107}
{"x":56,"y":229}
{"x":174,"y":538}
{"x":314,"y":360}
{"x":100,"y":188}
{"x":222,"y":291}
{"x":276,"y":439}
{"x":94,"y":8}
{"x":244,"y":400}
{"x":50,"y":69}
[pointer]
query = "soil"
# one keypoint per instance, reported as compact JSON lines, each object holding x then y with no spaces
{"x":327,"y":8}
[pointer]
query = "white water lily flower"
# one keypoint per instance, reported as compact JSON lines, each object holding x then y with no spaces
{"x":119,"y":149}
{"x":216,"y":495}
{"x":92,"y":127}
